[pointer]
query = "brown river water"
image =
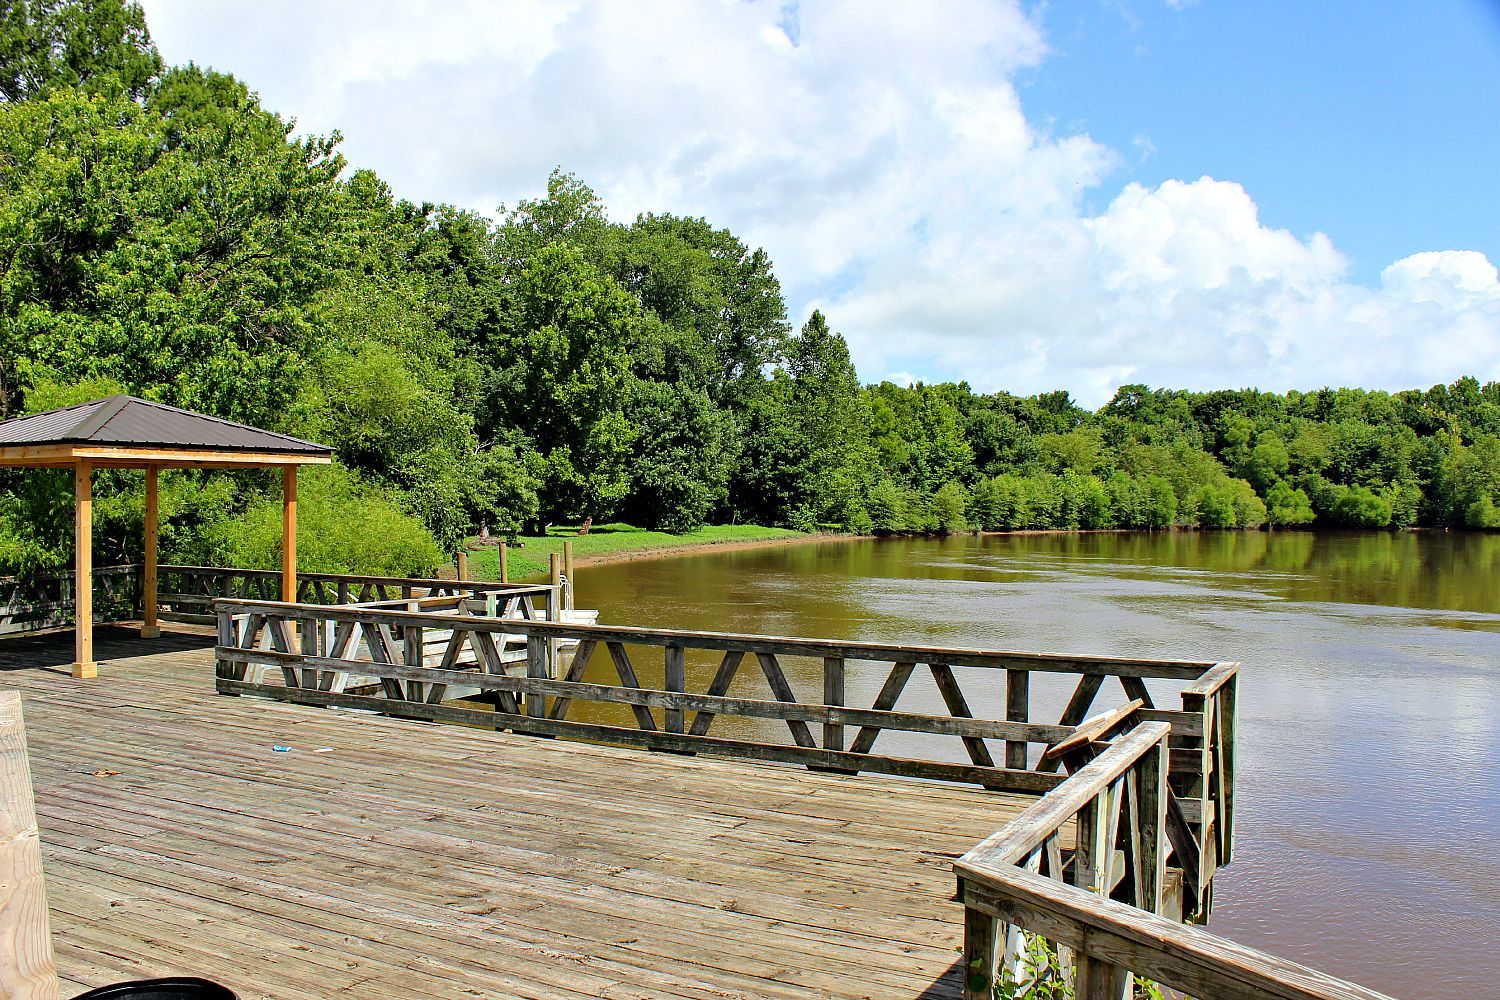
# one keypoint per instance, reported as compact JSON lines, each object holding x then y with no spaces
{"x":1368,"y":822}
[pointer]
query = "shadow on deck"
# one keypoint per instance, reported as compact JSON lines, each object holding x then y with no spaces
{"x":54,"y":650}
{"x":387,"y":858}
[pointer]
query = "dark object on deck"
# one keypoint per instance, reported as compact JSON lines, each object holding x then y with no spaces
{"x":184,"y":988}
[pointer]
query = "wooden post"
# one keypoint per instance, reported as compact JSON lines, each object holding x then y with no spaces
{"x":1151,"y":831}
{"x":1017,"y":709}
{"x":554,"y":602}
{"x":504,"y":568}
{"x":150,"y":627}
{"x":289,"y":534}
{"x":463,"y":565}
{"x":568,"y":572}
{"x":27,"y":970}
{"x":833,"y":694}
{"x":676,"y":681}
{"x":553,"y":613}
{"x":83,"y":571}
{"x":1099,"y":980}
{"x":537,"y":668}
{"x":981,"y":962}
{"x":1229,"y":722}
{"x":1096,"y":979}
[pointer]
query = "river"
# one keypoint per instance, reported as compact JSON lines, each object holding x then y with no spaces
{"x":1368,"y":789}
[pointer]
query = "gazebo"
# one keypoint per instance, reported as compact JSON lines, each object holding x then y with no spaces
{"x":124,"y":432}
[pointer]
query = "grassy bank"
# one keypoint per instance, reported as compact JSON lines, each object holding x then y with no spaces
{"x":606,"y":540}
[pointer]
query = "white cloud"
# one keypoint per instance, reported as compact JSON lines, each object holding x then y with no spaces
{"x":882,"y":156}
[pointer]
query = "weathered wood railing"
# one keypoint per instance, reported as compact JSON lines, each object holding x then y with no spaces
{"x":41,"y":601}
{"x":45,"y":600}
{"x":823,"y":729}
{"x":1098,"y":905}
{"x":191,"y":590}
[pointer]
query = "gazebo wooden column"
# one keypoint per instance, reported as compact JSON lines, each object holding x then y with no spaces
{"x":289,"y":534}
{"x":83,"y":570}
{"x":150,"y":627}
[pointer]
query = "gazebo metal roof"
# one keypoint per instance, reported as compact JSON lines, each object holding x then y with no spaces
{"x":128,"y":432}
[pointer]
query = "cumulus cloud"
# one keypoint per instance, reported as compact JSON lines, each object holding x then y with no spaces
{"x":882,"y":155}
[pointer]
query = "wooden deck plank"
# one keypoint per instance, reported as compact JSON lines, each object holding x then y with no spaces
{"x":413,"y":859}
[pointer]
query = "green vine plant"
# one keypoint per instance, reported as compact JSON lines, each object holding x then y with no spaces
{"x":1041,"y":975}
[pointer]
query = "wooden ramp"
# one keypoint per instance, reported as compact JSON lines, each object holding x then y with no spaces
{"x":388,"y":858}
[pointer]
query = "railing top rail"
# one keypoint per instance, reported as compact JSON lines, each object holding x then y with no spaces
{"x":1056,"y":662}
{"x":67,"y":574}
{"x":391,"y":581}
{"x":1184,"y":957}
{"x":1009,"y":845}
{"x":1207,"y":685}
{"x":662,"y":698}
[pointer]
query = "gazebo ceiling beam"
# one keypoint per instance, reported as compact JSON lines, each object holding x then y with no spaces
{"x":139,"y":458}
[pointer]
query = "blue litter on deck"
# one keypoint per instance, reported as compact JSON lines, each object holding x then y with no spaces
{"x":281,"y":749}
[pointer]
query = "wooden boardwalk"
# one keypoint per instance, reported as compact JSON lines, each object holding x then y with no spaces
{"x":389,"y":858}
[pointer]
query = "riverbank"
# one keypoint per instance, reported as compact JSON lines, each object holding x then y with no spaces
{"x":615,"y":543}
{"x":612,"y":543}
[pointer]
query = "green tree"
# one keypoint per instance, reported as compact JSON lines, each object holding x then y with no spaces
{"x":101,"y":46}
{"x":1267,"y":463}
{"x":806,"y":445}
{"x":1012,"y":502}
{"x":183,"y":263}
{"x":1405,"y":500}
{"x":1093,"y":504}
{"x":1482,"y":513}
{"x":1158,"y":502}
{"x":348,"y":526}
{"x":706,"y":282}
{"x":685,"y":450}
{"x":949,"y":505}
{"x":560,"y":375}
{"x":984,"y":505}
{"x":1215,"y":508}
{"x":1360,"y":507}
{"x":886,"y":508}
{"x":1078,"y":451}
{"x":1287,"y":506}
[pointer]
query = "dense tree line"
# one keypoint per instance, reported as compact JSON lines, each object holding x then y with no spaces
{"x":161,"y":233}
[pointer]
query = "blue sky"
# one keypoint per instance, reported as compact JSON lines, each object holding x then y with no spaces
{"x":1377,"y":123}
{"x":1074,"y":195}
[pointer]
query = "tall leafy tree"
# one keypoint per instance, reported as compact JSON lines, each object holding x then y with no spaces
{"x":179,"y":250}
{"x":807,"y":454}
{"x":560,"y":375}
{"x":100,"y":46}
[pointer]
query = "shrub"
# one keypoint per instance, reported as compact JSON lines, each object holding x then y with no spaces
{"x":1159,"y":503}
{"x":886,"y":509}
{"x":949,"y":506}
{"x":1406,"y":502}
{"x":1249,"y":509}
{"x":1093,"y":504}
{"x":1286,"y":505}
{"x":1012,"y":502}
{"x":1215,"y":509}
{"x":1358,"y":507}
{"x":345,"y":525}
{"x":984,"y":506}
{"x":1482,"y":513}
